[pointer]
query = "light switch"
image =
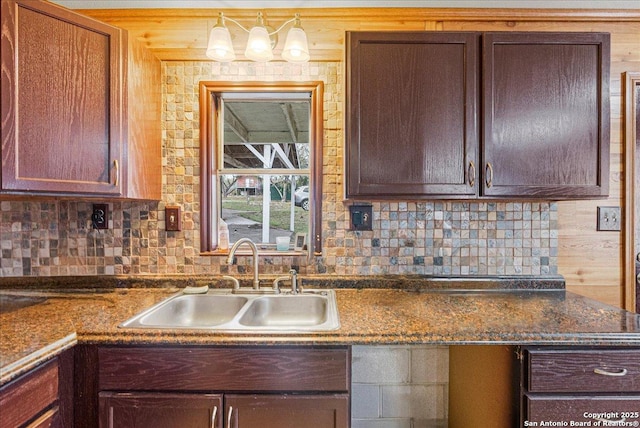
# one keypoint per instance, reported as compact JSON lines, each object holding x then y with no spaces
{"x":172,"y":219}
{"x":609,"y":218}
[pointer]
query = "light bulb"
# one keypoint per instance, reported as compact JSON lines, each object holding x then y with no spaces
{"x":259,"y":45}
{"x":295,"y":47}
{"x":220,"y":47}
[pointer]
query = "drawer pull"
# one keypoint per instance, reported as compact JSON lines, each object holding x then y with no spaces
{"x":619,"y":372}
{"x":214,"y":417}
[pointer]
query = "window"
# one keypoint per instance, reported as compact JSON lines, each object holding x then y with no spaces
{"x":261,"y":162}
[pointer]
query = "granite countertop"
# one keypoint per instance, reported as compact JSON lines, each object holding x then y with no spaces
{"x":38,"y":324}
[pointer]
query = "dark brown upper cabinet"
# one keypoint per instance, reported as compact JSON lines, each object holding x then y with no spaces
{"x":412,"y":124}
{"x":545,"y":115}
{"x":68,"y":128}
{"x":417,"y":100}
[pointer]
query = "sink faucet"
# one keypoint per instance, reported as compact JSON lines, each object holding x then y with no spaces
{"x":254,"y":250}
{"x":293,"y":278}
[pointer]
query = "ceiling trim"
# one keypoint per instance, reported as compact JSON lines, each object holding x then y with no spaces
{"x":300,"y":4}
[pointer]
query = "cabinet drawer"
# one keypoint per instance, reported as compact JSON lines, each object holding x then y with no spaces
{"x":582,"y":409}
{"x":225,"y":368}
{"x":588,"y":370}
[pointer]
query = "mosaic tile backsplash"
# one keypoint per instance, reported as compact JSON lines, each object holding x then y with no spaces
{"x":55,"y":238}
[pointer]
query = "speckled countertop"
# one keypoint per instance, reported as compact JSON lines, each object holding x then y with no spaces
{"x":38,"y":323}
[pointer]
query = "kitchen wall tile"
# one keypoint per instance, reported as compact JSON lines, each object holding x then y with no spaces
{"x":54,"y":238}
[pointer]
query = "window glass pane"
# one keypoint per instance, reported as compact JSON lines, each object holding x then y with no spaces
{"x":266,"y":134}
{"x":264,"y":206}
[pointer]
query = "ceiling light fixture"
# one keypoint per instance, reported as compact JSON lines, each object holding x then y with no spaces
{"x":261,"y":42}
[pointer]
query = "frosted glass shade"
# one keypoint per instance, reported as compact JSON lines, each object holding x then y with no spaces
{"x":295,"y":47}
{"x":259,"y":45}
{"x":220,"y":47}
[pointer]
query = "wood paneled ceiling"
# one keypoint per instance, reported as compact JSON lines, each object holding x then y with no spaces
{"x":182,"y":34}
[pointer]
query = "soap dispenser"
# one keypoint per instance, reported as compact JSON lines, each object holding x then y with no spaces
{"x":223,"y":235}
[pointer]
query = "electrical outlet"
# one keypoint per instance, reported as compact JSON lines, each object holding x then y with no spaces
{"x":100,"y":216}
{"x":361,"y":217}
{"x":609,"y":218}
{"x":172,"y":219}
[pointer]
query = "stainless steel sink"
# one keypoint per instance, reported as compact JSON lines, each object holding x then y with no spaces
{"x":194,"y":310}
{"x":220,"y":310}
{"x":286,"y":311}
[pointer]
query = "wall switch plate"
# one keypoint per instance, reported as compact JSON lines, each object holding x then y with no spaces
{"x":100,"y":216}
{"x":361,"y":217}
{"x":172,"y":219}
{"x":609,"y":218}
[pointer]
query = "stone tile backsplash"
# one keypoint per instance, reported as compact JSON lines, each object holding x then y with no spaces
{"x":54,"y":237}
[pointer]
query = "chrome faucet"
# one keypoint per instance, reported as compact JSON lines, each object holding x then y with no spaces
{"x":254,"y":250}
{"x":293,"y":279}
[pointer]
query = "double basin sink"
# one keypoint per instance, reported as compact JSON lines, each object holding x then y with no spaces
{"x":222,"y":310}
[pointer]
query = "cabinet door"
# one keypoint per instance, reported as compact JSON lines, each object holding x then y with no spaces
{"x":618,"y":410}
{"x":287,"y":411}
{"x":61,"y":101}
{"x":160,"y":410}
{"x":546,"y":114}
{"x":27,"y":397}
{"x":412,"y":114}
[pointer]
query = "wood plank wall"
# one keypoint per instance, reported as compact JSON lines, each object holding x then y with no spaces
{"x":591,"y":261}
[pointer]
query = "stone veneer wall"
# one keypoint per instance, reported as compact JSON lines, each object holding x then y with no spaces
{"x":54,"y":238}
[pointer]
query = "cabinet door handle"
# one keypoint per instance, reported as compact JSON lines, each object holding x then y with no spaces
{"x":472,"y":174}
{"x":116,"y":166}
{"x":618,"y":372}
{"x":229,"y":416}
{"x":214,"y":417}
{"x":489,"y":175}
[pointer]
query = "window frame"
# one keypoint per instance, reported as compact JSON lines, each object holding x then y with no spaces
{"x":210,"y":148}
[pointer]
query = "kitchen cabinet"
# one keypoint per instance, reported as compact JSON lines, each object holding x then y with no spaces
{"x":545,"y":115}
{"x":141,"y":410}
{"x":80,"y":106}
{"x":412,"y":114}
{"x":40,"y":398}
{"x":583,"y":385}
{"x":221,"y":386}
{"x":415,"y":105}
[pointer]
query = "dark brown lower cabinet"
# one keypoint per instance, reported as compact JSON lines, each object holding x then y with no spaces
{"x":223,"y":387}
{"x":584,"y":409}
{"x":170,"y":410}
{"x":30,"y":396}
{"x":287,"y":411}
{"x":159,"y":410}
{"x":41,"y":398}
{"x":581,"y":386}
